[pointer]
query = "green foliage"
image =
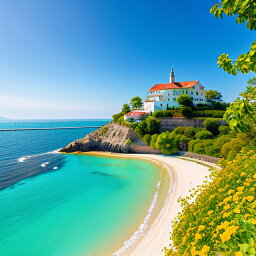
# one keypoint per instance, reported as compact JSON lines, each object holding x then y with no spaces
{"x":153,"y":124}
{"x":233,"y":146}
{"x":128,"y":142}
{"x":153,"y":140}
{"x":202,"y":145}
{"x":241,"y":114}
{"x":202,"y":135}
{"x":167,"y":144}
{"x":103,"y":131}
{"x":163,"y":113}
{"x":212,"y":95}
{"x":141,"y":129}
{"x":136,"y":102}
{"x":185,"y":100}
{"x":187,"y":112}
{"x":244,"y":10}
{"x":126,"y":109}
{"x":223,"y":129}
{"x":117,"y":116}
{"x":147,"y":139}
{"x":212,"y":125}
{"x":209,"y":113}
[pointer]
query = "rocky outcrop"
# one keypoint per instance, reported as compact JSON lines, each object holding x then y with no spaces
{"x":111,"y":137}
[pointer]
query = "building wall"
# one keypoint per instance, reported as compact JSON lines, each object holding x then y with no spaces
{"x":168,"y":97}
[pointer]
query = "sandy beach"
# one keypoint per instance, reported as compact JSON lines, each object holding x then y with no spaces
{"x":184,"y":175}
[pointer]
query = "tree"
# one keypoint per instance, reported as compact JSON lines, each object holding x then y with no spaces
{"x":212,"y":125}
{"x":244,"y":11}
{"x":166,"y":143}
{"x":187,"y":112}
{"x":241,"y":114}
{"x":184,"y":100}
{"x":126,"y":109}
{"x":153,"y":124}
{"x":212,"y":95}
{"x":136,"y":102}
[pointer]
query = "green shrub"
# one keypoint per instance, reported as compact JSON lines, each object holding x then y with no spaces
{"x":179,"y":130}
{"x":153,"y":140}
{"x":184,"y":100}
{"x":209,"y":113}
{"x":187,"y":112}
{"x":232,"y":147}
{"x":192,"y":144}
{"x":117,"y":116}
{"x":202,"y":146}
{"x":163,"y":113}
{"x":128,"y":142}
{"x":167,"y":143}
{"x":190,"y":131}
{"x":153,"y":124}
{"x":212,"y":125}
{"x":183,"y":143}
{"x":147,"y":139}
{"x":223,"y":129}
{"x":141,"y":129}
{"x":202,"y":135}
{"x":215,"y":149}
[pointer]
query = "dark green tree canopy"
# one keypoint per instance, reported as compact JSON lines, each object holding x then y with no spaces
{"x":126,"y":109}
{"x":184,"y":100}
{"x":212,"y":95}
{"x":244,"y":11}
{"x":136,"y":102}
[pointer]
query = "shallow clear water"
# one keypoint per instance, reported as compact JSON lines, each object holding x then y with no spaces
{"x":88,"y":206}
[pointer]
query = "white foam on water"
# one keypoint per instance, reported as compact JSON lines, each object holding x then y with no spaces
{"x":44,"y":164}
{"x":24,"y":158}
{"x":140,"y":232}
{"x":55,"y":168}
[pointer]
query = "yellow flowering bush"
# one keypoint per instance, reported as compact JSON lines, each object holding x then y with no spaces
{"x":221,"y":220}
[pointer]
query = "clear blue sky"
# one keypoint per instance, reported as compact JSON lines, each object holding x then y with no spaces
{"x":85,"y":58}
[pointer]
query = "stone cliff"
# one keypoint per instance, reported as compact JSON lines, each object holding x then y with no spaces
{"x":111,"y":137}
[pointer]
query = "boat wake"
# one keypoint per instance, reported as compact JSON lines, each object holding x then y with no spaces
{"x":24,"y":158}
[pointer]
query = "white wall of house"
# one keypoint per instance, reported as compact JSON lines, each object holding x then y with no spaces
{"x":159,"y":100}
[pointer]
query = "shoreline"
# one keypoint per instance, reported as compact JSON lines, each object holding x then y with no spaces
{"x":183,"y":175}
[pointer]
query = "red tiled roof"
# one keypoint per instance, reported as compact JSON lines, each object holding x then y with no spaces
{"x":135,"y":113}
{"x":175,"y":85}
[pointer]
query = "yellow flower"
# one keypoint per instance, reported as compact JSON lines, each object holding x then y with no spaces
{"x":237,"y":210}
{"x":226,"y":207}
{"x":226,"y":214}
{"x":240,"y":188}
{"x":254,"y":176}
{"x":201,"y":227}
{"x":253,"y":221}
{"x":247,"y":215}
{"x":197,"y":237}
{"x":206,"y":248}
{"x":231,"y":191}
{"x":228,"y":232}
{"x":223,"y":225}
{"x":238,"y":254}
{"x":243,"y":174}
{"x":250,"y":198}
{"x":210,"y":212}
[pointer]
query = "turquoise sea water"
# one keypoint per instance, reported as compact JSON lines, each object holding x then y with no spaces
{"x":87,"y":205}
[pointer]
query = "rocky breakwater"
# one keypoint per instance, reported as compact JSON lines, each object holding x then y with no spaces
{"x":111,"y":137}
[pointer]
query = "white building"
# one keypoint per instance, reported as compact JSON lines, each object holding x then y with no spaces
{"x":163,"y":96}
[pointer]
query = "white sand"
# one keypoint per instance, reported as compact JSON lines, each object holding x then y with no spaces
{"x":184,"y":176}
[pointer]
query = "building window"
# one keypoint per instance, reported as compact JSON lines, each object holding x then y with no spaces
{"x":174,"y":99}
{"x":191,"y":93}
{"x":186,"y":91}
{"x":196,"y":93}
{"x":161,"y":105}
{"x":192,"y":98}
{"x":182,"y":91}
{"x":169,"y":99}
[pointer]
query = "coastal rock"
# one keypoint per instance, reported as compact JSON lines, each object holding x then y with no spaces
{"x":111,"y":137}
